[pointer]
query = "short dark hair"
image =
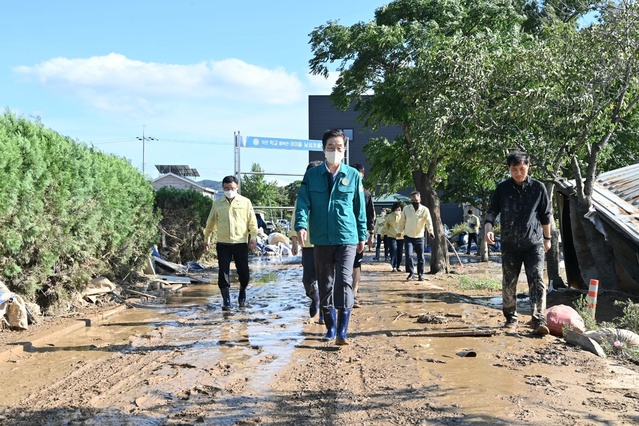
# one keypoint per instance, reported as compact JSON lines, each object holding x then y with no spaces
{"x":332,"y":133}
{"x":470,"y":211}
{"x":314,"y":164}
{"x":396,"y":205}
{"x":359,"y":168}
{"x":517,"y":157}
{"x":229,"y":179}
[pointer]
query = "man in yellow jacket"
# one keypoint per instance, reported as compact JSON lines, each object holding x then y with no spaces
{"x":414,"y":221}
{"x":233,"y":220}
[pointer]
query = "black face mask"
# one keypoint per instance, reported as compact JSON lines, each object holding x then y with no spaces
{"x":415,"y":205}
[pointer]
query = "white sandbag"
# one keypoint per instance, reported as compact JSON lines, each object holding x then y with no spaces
{"x":16,"y":313}
{"x":611,"y":335}
{"x":277,"y":237}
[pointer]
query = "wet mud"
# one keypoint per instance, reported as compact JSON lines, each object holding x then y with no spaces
{"x":185,"y":361}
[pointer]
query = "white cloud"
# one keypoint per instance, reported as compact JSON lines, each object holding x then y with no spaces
{"x":321,"y":85}
{"x":116,"y":83}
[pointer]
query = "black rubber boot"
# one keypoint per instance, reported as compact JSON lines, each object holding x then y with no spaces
{"x":343,"y":316}
{"x":320,"y":319}
{"x":226,"y":298}
{"x":314,"y":307}
{"x":241,"y":298}
{"x":330,"y":321}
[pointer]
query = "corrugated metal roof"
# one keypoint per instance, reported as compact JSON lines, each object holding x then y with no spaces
{"x":616,"y":196}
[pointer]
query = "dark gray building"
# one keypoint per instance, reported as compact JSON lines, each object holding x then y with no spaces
{"x":322,"y":115}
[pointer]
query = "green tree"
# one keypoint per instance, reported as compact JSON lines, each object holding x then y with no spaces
{"x":426,"y":62}
{"x":574,"y":102}
{"x":258,"y":190}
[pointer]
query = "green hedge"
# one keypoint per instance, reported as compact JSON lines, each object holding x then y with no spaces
{"x":67,"y":211}
{"x":184,"y":213}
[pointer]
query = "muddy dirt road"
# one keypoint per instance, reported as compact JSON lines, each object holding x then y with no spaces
{"x":186,"y":362}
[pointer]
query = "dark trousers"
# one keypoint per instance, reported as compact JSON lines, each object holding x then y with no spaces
{"x":396,"y":248}
{"x":533,"y":260}
{"x":472,"y":237}
{"x":225,"y":254}
{"x":416,"y":244}
{"x":378,"y":246}
{"x":309,"y":277}
{"x":334,"y":267}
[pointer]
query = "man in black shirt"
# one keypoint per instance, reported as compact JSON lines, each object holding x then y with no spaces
{"x":525,"y":237}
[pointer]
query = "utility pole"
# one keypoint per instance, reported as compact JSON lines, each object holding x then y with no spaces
{"x":144,"y":138}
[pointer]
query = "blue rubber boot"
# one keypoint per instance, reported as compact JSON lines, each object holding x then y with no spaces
{"x":226,"y":298}
{"x":343,"y":316}
{"x":330,"y":321}
{"x":241,"y":298}
{"x":314,"y":307}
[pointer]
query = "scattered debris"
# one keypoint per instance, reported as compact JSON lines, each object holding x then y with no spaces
{"x":399,"y":314}
{"x":584,"y":342}
{"x":432,"y":319}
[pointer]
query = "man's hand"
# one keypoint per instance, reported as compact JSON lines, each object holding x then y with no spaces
{"x":294,"y":246}
{"x":490,"y":238}
{"x":360,"y":246}
{"x":431,"y":236}
{"x":370,"y":242}
{"x":252,"y":245}
{"x":547,"y":245}
{"x":301,"y":236}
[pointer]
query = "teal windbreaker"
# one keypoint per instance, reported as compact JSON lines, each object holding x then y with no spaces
{"x":333,"y":212}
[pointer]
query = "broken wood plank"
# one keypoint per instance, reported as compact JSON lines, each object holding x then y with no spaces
{"x":444,"y":333}
{"x":175,"y":280}
{"x":139,"y":293}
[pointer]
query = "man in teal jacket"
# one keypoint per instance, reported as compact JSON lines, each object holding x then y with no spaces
{"x":331,"y":207}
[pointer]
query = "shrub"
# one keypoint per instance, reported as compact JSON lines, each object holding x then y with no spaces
{"x":68,"y":212}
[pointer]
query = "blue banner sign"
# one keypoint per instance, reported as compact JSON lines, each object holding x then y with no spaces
{"x":278,"y":143}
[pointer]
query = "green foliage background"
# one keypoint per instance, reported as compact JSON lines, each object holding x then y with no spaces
{"x":67,"y":212}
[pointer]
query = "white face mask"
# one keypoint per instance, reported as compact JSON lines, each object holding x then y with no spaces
{"x":230,"y":193}
{"x":398,"y":212}
{"x":334,"y":157}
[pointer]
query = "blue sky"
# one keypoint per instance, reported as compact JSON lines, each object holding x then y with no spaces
{"x":191,"y":73}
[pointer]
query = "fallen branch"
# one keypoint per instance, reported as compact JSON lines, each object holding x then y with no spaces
{"x":445,"y":333}
{"x":139,"y":293}
{"x":399,"y":314}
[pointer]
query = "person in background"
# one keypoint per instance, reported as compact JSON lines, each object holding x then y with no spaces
{"x":331,"y":207}
{"x":473,"y":227}
{"x":370,"y":226}
{"x":379,"y":224}
{"x":394,"y":236}
{"x":525,"y":238}
{"x":415,"y":220}
{"x":233,"y":221}
{"x":309,"y":277}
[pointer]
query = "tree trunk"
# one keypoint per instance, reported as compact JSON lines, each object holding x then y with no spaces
{"x":439,"y":261}
{"x":552,"y":256}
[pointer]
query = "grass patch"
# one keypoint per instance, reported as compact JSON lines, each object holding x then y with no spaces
{"x":469,"y":283}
